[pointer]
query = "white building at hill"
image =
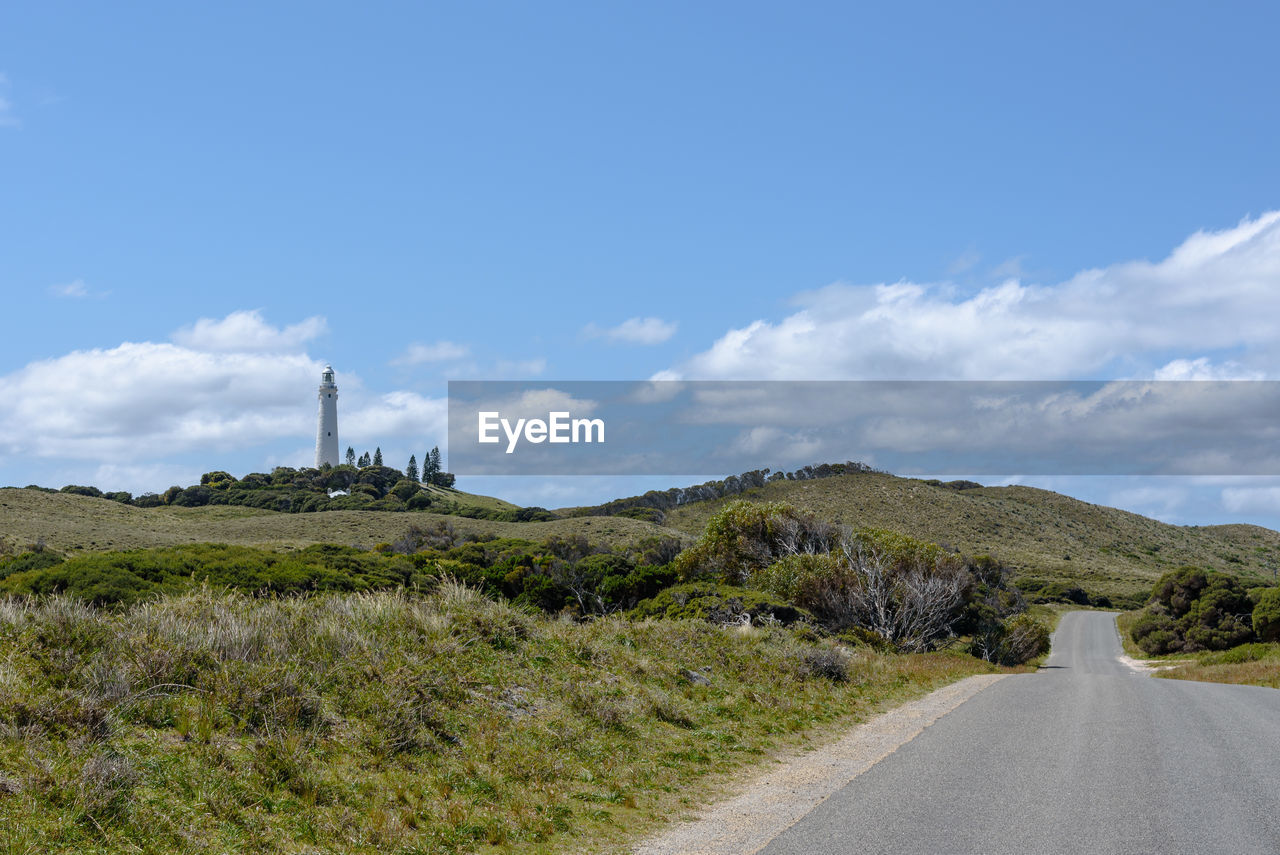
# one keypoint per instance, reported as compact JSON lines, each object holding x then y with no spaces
{"x":327,"y":421}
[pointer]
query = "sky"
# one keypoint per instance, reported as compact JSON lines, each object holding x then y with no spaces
{"x":200,"y":206}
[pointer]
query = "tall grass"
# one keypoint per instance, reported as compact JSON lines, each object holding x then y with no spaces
{"x":389,"y":721}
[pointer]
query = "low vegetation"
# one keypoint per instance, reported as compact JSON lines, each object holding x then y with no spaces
{"x":1248,"y":664}
{"x":394,"y":721}
{"x":123,"y":578}
{"x":1208,"y":627}
{"x":71,"y":524}
{"x":888,"y":589}
{"x":561,"y":575}
{"x":1058,"y":549}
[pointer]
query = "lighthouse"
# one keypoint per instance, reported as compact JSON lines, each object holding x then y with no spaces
{"x":327,"y":421}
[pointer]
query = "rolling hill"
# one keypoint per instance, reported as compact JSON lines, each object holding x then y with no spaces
{"x":1043,"y":535}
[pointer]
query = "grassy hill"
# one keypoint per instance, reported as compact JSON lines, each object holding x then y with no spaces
{"x":1045,"y":535}
{"x":69,"y":523}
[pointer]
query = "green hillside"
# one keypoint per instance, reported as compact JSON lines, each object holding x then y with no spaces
{"x":1044,"y":535}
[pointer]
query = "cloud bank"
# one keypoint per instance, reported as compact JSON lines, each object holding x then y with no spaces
{"x":221,"y":385}
{"x":1211,"y":309}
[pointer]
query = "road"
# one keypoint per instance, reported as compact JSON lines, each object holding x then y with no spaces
{"x":1087,"y":756}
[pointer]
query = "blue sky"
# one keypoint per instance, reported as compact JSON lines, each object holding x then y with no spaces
{"x":201,"y":206}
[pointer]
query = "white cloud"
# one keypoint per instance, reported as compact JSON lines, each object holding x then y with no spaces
{"x":1011,"y":268}
{"x":7,"y":117}
{"x":1159,"y":502}
{"x":1218,"y":291}
{"x":440,"y":351}
{"x":522,"y":368}
{"x":140,"y":478}
{"x":1204,"y":369}
{"x":70,"y":289}
{"x":634,"y":331}
{"x":75,"y":290}
{"x":1256,"y":500}
{"x":964,"y":262}
{"x":247,"y":332}
{"x":777,"y":446}
{"x":131,"y":409}
{"x":146,"y":400}
{"x":395,"y":414}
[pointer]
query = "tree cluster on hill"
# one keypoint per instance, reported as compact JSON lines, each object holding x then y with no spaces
{"x":337,"y":488}
{"x":364,"y":482}
{"x":372,"y":487}
{"x":652,"y":505}
{"x":1192,"y":610}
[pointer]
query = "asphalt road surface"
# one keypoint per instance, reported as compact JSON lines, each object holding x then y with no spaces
{"x":1087,"y":756}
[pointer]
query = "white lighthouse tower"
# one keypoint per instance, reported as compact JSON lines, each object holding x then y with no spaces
{"x":327,"y":421}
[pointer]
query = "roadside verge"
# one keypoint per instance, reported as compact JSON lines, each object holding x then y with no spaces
{"x":780,"y":797}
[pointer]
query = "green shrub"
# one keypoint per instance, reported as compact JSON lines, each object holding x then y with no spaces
{"x":420,"y":501}
{"x":34,"y":560}
{"x":110,"y":578}
{"x":1192,"y":610}
{"x":1013,"y":642}
{"x":1178,"y":589}
{"x":1156,"y":634}
{"x":719,"y":604}
{"x":746,"y":536}
{"x":1266,"y":615}
{"x":404,"y":490}
{"x":652,"y":515}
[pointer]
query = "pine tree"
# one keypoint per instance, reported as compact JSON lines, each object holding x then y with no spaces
{"x":364,"y":460}
{"x":411,"y":471}
{"x":431,"y":465}
{"x":351,"y":456}
{"x":377,"y":456}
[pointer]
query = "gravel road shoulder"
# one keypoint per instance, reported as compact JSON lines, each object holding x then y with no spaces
{"x":776,"y":800}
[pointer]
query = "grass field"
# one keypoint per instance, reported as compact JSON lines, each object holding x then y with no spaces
{"x":1248,"y":664}
{"x":1043,"y":535}
{"x":387,"y":722}
{"x":71,"y":524}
